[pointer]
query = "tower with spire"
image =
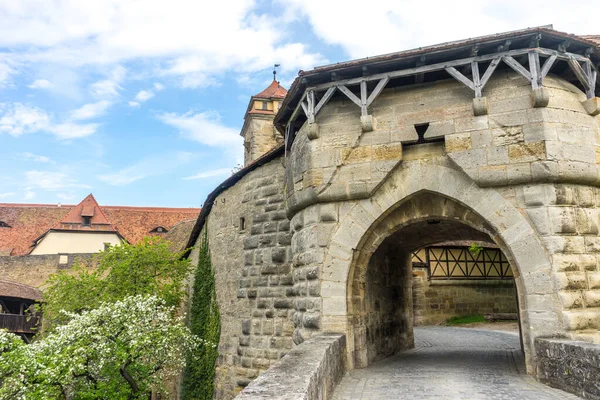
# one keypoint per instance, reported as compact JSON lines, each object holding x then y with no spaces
{"x":258,"y":131}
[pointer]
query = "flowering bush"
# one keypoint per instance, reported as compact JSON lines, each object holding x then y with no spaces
{"x":120,"y":350}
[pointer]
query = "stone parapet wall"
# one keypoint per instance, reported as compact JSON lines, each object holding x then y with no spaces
{"x":34,"y":270}
{"x":434,"y":301}
{"x":310,"y":371}
{"x":249,"y":237}
{"x":570,"y":366}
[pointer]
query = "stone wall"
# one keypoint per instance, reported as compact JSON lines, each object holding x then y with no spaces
{"x":530,"y":174}
{"x":437,"y":300}
{"x":570,"y":366}
{"x":34,"y":270}
{"x":309,"y":371}
{"x":252,"y":277}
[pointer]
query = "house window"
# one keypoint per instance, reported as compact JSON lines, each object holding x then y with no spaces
{"x":87,"y":221}
{"x":265,"y":105}
{"x":159,"y":229}
{"x":4,"y":225}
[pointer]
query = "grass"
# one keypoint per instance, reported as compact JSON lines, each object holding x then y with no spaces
{"x":465,"y":319}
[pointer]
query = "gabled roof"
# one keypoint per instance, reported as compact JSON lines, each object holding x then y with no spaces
{"x":273,"y":91}
{"x":87,"y":208}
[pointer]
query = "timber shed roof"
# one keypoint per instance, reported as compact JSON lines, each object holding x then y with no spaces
{"x":440,"y":53}
{"x":19,"y":291}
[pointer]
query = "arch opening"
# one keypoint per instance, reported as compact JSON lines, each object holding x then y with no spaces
{"x":381,"y":281}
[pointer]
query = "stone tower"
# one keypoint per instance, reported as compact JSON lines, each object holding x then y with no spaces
{"x":258,"y":131}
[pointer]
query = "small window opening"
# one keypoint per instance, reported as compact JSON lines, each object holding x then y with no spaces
{"x":242,"y":223}
{"x":265,"y":105}
{"x":421,"y":129}
{"x":4,"y":225}
{"x":159,"y":229}
{"x":87,"y":221}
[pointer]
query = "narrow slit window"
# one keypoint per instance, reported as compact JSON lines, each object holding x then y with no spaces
{"x":242,"y":223}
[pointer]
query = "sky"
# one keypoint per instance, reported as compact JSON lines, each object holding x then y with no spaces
{"x":141,"y":102}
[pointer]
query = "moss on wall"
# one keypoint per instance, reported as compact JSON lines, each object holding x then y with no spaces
{"x":205,"y":323}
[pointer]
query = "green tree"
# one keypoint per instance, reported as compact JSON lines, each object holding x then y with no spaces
{"x":148,"y":268}
{"x":198,"y":378}
{"x":122,"y":350}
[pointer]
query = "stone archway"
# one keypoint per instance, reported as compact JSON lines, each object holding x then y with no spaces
{"x":369,"y":222}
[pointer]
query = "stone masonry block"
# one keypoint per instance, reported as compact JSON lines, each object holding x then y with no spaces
{"x":563,"y":219}
{"x":592,"y":244}
{"x":592,"y":106}
{"x":564,"y":244}
{"x":571,"y":280}
{"x":593,"y":280}
{"x":497,"y":155}
{"x":587,"y":220}
{"x":571,"y":300}
{"x":458,"y":142}
{"x":526,"y":152}
{"x":507,"y":135}
{"x":540,"y":97}
{"x":592,"y":298}
{"x":539,"y":218}
{"x":578,"y":320}
{"x":480,"y":106}
{"x":574,"y":262}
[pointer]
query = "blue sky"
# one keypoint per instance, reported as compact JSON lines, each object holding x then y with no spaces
{"x":141,"y":102}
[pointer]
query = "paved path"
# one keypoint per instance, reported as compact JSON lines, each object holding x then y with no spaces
{"x":450,"y":363}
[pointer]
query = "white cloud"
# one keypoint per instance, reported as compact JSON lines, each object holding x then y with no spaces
{"x":147,"y":167}
{"x":40,"y":84}
{"x":17,"y":119}
{"x":159,"y":86}
{"x":110,"y":87}
{"x":5,"y":195}
{"x":35,"y":157}
{"x":210,"y":174}
{"x":90,"y":111}
{"x":392,"y":25}
{"x":144,"y":95}
{"x":133,"y":104}
{"x":29,"y":195}
{"x":204,"y":127}
{"x":6,"y":71}
{"x":69,"y":130}
{"x":50,"y":181}
{"x":109,"y":32}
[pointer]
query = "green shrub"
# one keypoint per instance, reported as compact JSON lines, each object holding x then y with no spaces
{"x":198,"y":379}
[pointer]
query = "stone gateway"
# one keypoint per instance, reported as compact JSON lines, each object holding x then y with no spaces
{"x":491,"y":140}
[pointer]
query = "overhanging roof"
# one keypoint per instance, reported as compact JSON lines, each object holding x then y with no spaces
{"x":545,"y":37}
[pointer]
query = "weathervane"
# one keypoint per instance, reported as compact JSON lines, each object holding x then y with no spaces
{"x":275,"y":66}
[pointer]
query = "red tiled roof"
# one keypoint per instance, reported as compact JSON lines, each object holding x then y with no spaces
{"x":273,"y":91}
{"x":87,"y":208}
{"x":30,"y":221}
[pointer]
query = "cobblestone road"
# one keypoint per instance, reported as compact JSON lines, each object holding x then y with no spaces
{"x":450,"y":363}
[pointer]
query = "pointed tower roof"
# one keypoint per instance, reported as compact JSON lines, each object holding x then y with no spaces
{"x":273,"y":91}
{"x":88,"y":208}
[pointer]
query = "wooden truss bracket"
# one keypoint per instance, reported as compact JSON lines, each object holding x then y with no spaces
{"x":586,"y":75}
{"x":535,"y":72}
